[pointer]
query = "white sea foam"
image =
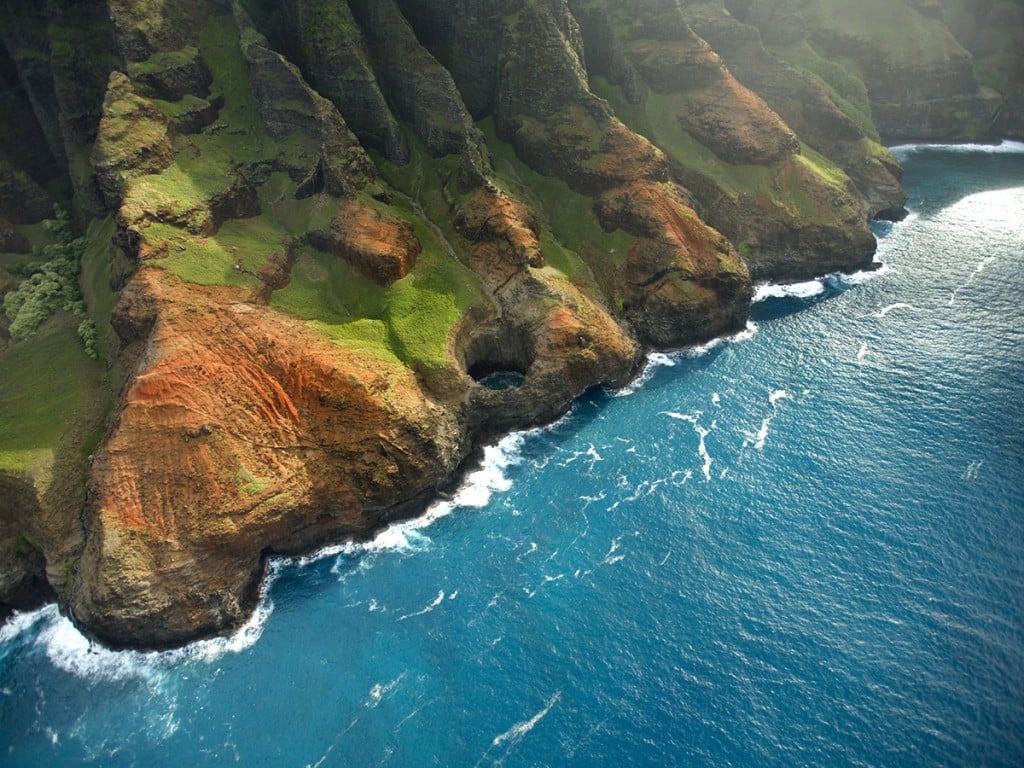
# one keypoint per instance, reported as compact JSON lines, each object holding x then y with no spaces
{"x":681,"y":477}
{"x":244,"y":638}
{"x":808,"y":289}
{"x":977,"y":271}
{"x":762,"y":434}
{"x":69,"y":650}
{"x":656,"y":360}
{"x":1004,"y":147}
{"x":476,"y":491}
{"x":759,"y":438}
{"x":22,"y":621}
{"x":898,"y":305}
{"x":841,"y":280}
{"x":692,"y":418}
{"x":519,"y":730}
{"x":611,"y":557}
{"x":703,"y":451}
{"x":436,"y":602}
{"x":971,"y":473}
{"x":378,"y":691}
{"x":699,"y":350}
{"x":804,"y":290}
{"x":591,"y":453}
{"x":862,"y":352}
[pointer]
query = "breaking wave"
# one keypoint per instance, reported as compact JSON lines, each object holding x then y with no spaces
{"x":809,"y":289}
{"x":1004,"y":147}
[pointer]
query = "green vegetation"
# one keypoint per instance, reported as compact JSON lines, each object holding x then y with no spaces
{"x":249,"y":485}
{"x":94,"y":281}
{"x":43,"y":382}
{"x":823,"y":167}
{"x":52,"y":286}
{"x":26,"y":544}
{"x":656,"y":119}
{"x":996,"y":47}
{"x":231,"y":257}
{"x":162,"y":61}
{"x":842,"y":79}
{"x":409,"y":321}
{"x":569,"y":227}
{"x":909,"y":37}
{"x":785,"y":184}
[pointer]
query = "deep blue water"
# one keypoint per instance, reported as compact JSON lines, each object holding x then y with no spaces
{"x":802,"y":546}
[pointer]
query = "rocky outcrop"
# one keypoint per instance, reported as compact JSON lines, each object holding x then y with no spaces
{"x":328,"y":219}
{"x":22,"y":200}
{"x":420,"y":91}
{"x":382,"y":247}
{"x":562,"y":127}
{"x":287,"y":105}
{"x":23,"y":582}
{"x":264,"y":436}
{"x":323,"y":38}
{"x":134,"y":139}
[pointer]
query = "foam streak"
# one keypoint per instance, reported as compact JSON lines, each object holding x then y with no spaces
{"x":437,"y":601}
{"x":516,"y":733}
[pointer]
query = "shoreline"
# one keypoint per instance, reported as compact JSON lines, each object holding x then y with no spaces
{"x":420,"y":512}
{"x":471,"y":486}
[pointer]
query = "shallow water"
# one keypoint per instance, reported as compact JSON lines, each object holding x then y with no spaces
{"x":804,"y":545}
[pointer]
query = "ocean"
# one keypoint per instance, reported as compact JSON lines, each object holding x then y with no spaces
{"x":803,"y":545}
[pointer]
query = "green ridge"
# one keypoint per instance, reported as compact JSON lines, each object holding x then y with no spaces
{"x":569,"y":226}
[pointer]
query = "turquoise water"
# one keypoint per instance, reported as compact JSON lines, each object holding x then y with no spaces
{"x":800,"y":546}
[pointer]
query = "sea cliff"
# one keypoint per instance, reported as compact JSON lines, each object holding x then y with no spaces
{"x":299,"y":233}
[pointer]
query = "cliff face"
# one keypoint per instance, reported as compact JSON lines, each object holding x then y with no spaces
{"x":312,"y":225}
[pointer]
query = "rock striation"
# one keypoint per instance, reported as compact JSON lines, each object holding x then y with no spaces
{"x":311,"y":226}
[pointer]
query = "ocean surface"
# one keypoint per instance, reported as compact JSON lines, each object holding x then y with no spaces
{"x":800,"y":546}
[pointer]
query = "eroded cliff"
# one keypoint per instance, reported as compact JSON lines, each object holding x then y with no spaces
{"x":311,"y":226}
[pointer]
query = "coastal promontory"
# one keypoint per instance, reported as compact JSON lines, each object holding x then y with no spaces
{"x":258,"y":259}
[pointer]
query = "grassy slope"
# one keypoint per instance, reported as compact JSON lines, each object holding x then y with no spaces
{"x":408,"y":322}
{"x":842,"y":79}
{"x":99,"y":297}
{"x":910,"y":37}
{"x":44,"y":381}
{"x":411,"y":319}
{"x":47,"y":379}
{"x":656,"y":119}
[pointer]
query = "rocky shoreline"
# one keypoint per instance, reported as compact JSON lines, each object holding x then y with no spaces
{"x":311,"y":226}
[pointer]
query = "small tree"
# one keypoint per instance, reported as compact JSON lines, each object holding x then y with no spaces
{"x":54,"y":286}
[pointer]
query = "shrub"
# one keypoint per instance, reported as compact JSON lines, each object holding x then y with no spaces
{"x":52,"y":286}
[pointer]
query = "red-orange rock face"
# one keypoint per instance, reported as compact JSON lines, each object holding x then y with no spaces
{"x":241,"y":433}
